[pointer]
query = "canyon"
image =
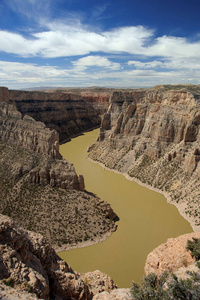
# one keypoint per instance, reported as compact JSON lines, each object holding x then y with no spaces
{"x":151,"y":135}
{"x":67,"y":113}
{"x":40,"y":190}
{"x":30,"y":264}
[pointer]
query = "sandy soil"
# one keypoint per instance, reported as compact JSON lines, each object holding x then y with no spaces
{"x":95,"y":241}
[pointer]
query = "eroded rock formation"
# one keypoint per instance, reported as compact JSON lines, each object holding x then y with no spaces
{"x":171,"y":255}
{"x":98,"y":97}
{"x":67,"y":113}
{"x":40,"y":190}
{"x":29,"y":263}
{"x":27,"y":133}
{"x":153,"y":135}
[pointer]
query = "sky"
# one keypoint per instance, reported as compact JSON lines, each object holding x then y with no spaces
{"x":85,"y":43}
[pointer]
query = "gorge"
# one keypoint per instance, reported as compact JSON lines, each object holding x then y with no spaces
{"x":145,"y":219}
{"x":152,"y":135}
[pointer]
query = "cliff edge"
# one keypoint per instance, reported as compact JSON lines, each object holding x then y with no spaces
{"x":153,"y":136}
{"x":28,"y":263}
{"x":68,"y":113}
{"x":41,"y":191}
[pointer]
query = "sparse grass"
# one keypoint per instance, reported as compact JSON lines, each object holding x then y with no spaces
{"x":63,"y":216}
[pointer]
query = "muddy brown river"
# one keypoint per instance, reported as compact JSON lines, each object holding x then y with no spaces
{"x":146,"y":219}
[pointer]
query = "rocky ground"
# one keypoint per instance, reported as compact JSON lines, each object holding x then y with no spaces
{"x":42,"y":191}
{"x":29,"y":264}
{"x":171,"y":256}
{"x":65,"y":216}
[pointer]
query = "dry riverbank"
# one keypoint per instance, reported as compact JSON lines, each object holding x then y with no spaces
{"x":94,"y":241}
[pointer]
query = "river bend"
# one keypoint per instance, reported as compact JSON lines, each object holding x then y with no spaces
{"x":146,"y":220}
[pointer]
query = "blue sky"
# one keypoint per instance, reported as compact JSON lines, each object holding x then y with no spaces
{"x":129,"y":43}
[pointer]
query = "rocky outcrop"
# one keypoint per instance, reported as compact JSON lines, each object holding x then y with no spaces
{"x":153,"y":135}
{"x":9,"y":293}
{"x":27,"y":133}
{"x":29,"y":263}
{"x":118,"y":294}
{"x":98,"y":97}
{"x":98,"y":282}
{"x":42,"y":191}
{"x":171,"y":255}
{"x":67,"y":113}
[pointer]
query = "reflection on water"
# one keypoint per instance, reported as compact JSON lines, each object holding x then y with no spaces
{"x":146,"y":220}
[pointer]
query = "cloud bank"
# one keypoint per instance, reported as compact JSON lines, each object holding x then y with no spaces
{"x":124,"y":56}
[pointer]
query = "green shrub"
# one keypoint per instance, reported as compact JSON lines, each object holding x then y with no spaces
{"x":9,"y":281}
{"x":194,"y":247}
{"x":151,"y":288}
{"x":167,"y":287}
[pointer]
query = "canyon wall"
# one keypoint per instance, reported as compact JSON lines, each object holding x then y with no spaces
{"x":67,"y":113}
{"x":42,"y":191}
{"x":27,"y":133}
{"x":153,"y":135}
{"x":98,"y":97}
{"x":29,"y":263}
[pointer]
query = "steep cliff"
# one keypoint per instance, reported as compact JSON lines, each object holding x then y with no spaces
{"x":29,"y":263}
{"x":67,"y":113}
{"x":27,"y":133}
{"x":96,"y":96}
{"x":40,"y":190}
{"x":153,"y":135}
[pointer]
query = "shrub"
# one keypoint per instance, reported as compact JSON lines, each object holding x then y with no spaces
{"x":167,"y":287}
{"x":9,"y":281}
{"x":194,"y":247}
{"x":151,"y":288}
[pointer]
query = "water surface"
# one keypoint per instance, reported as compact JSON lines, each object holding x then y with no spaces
{"x":146,"y":220}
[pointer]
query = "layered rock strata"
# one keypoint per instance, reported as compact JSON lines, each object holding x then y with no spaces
{"x":153,"y":135}
{"x":29,"y":263}
{"x":96,"y":96}
{"x":27,"y":133}
{"x":68,"y":113}
{"x":41,"y":191}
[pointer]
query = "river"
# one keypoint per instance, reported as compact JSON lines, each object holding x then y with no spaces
{"x":146,"y":219}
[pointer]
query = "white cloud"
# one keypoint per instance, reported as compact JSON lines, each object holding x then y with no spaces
{"x":62,"y":40}
{"x":97,"y":61}
{"x":69,"y":40}
{"x":17,"y":44}
{"x":146,"y":65}
{"x":20,"y":75}
{"x":173,"y":64}
{"x":169,"y":46}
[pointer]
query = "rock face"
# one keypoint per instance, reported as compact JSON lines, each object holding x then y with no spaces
{"x":153,"y":135}
{"x":96,"y":96}
{"x":98,"y":282}
{"x":68,"y":113}
{"x":171,"y":255}
{"x":118,"y":294}
{"x":42,"y":191}
{"x":29,"y":263}
{"x":9,"y":293}
{"x":27,"y":133}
